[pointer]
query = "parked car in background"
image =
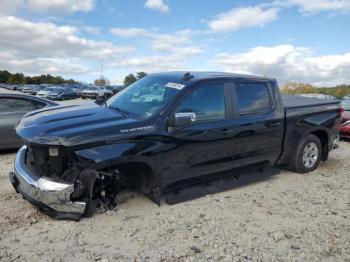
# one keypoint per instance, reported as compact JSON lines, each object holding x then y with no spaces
{"x":26,"y":88}
{"x":89,"y":92}
{"x":35,"y":89}
{"x":95,"y":91}
{"x":20,"y":87}
{"x":111,"y":89}
{"x":45,"y":92}
{"x":62,"y":93}
{"x":12,"y":108}
{"x":12,"y":87}
{"x":115,"y":89}
{"x":345,"y":125}
{"x":77,"y":88}
{"x":346,"y":97}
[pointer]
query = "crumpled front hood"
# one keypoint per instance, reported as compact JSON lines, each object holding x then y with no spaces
{"x":73,"y":125}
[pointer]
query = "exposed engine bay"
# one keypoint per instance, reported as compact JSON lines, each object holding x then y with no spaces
{"x":97,"y":189}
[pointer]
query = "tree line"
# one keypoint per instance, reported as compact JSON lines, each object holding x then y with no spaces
{"x":128,"y":80}
{"x":338,"y":91}
{"x":18,"y":78}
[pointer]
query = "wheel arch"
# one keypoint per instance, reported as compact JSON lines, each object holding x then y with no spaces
{"x":141,"y":173}
{"x":324,"y":139}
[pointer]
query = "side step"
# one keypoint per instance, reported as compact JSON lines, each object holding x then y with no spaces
{"x":214,"y":186}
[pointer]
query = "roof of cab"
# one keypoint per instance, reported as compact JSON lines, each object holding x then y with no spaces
{"x":197,"y":76}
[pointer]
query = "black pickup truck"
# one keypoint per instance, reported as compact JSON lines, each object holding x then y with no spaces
{"x":164,"y":132}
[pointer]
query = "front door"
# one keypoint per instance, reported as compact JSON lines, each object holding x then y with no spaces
{"x":203,"y":147}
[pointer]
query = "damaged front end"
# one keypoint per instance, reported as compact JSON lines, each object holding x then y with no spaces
{"x":51,"y":179}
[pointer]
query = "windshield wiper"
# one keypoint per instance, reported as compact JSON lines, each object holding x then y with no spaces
{"x":125,"y":113}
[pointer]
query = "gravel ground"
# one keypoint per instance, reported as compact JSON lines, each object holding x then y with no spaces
{"x":288,"y":217}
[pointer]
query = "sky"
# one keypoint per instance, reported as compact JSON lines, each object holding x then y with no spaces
{"x":290,"y":40}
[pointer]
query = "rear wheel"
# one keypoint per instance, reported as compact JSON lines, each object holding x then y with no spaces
{"x":308,"y":155}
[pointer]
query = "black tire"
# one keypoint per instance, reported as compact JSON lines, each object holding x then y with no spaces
{"x":306,"y":159}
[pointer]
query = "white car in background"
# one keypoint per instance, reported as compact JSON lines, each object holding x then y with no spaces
{"x":95,"y":92}
{"x":45,"y":92}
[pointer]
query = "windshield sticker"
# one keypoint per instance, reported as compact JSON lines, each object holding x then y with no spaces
{"x":175,"y":85}
{"x":135,"y":129}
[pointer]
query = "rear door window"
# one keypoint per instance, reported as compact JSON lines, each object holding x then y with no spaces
{"x":252,"y":98}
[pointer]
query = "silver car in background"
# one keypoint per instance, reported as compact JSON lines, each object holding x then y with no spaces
{"x":12,"y":108}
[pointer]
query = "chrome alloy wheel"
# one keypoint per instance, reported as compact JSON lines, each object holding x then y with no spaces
{"x":310,"y":155}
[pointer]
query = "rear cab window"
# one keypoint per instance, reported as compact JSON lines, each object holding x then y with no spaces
{"x":252,"y":98}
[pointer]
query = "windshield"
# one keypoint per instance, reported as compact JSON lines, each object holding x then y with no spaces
{"x":346,"y":105}
{"x":50,"y":89}
{"x":146,"y":97}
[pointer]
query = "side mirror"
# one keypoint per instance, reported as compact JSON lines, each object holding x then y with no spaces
{"x":183,"y":119}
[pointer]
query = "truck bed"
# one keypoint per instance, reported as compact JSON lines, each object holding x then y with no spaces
{"x":296,"y":101}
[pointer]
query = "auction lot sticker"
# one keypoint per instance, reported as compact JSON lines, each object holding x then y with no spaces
{"x":175,"y":85}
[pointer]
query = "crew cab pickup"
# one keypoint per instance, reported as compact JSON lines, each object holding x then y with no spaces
{"x":164,"y":132}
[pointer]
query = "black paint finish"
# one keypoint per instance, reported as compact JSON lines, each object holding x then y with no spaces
{"x":185,"y":155}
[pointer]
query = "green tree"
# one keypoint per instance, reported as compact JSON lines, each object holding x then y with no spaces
{"x":129,"y":79}
{"x":140,"y":75}
{"x":17,"y":78}
{"x":4,"y":76}
{"x":101,"y":82}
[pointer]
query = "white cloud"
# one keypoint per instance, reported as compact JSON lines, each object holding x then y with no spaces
{"x":179,"y":42}
{"x":50,"y":40}
{"x":46,"y":6}
{"x":45,"y":47}
{"x":61,"y":5}
{"x":158,"y":5}
{"x":243,"y":17}
{"x":130,"y":32}
{"x":289,"y":63}
{"x":171,"y":51}
{"x":9,"y":6}
{"x":153,"y":63}
{"x":313,"y":6}
{"x":92,"y":30}
{"x":55,"y":66}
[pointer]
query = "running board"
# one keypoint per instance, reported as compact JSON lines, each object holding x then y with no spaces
{"x":218,"y":185}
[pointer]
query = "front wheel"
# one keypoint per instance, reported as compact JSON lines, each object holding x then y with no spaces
{"x":308,"y":155}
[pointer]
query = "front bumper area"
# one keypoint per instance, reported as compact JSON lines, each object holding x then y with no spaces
{"x":50,"y":197}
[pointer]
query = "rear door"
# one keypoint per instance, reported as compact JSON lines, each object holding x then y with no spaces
{"x":259,"y":124}
{"x":11,"y":111}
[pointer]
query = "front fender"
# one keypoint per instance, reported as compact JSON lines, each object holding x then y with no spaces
{"x":109,"y":155}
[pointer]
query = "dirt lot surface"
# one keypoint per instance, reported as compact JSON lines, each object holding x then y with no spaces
{"x":288,"y":217}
